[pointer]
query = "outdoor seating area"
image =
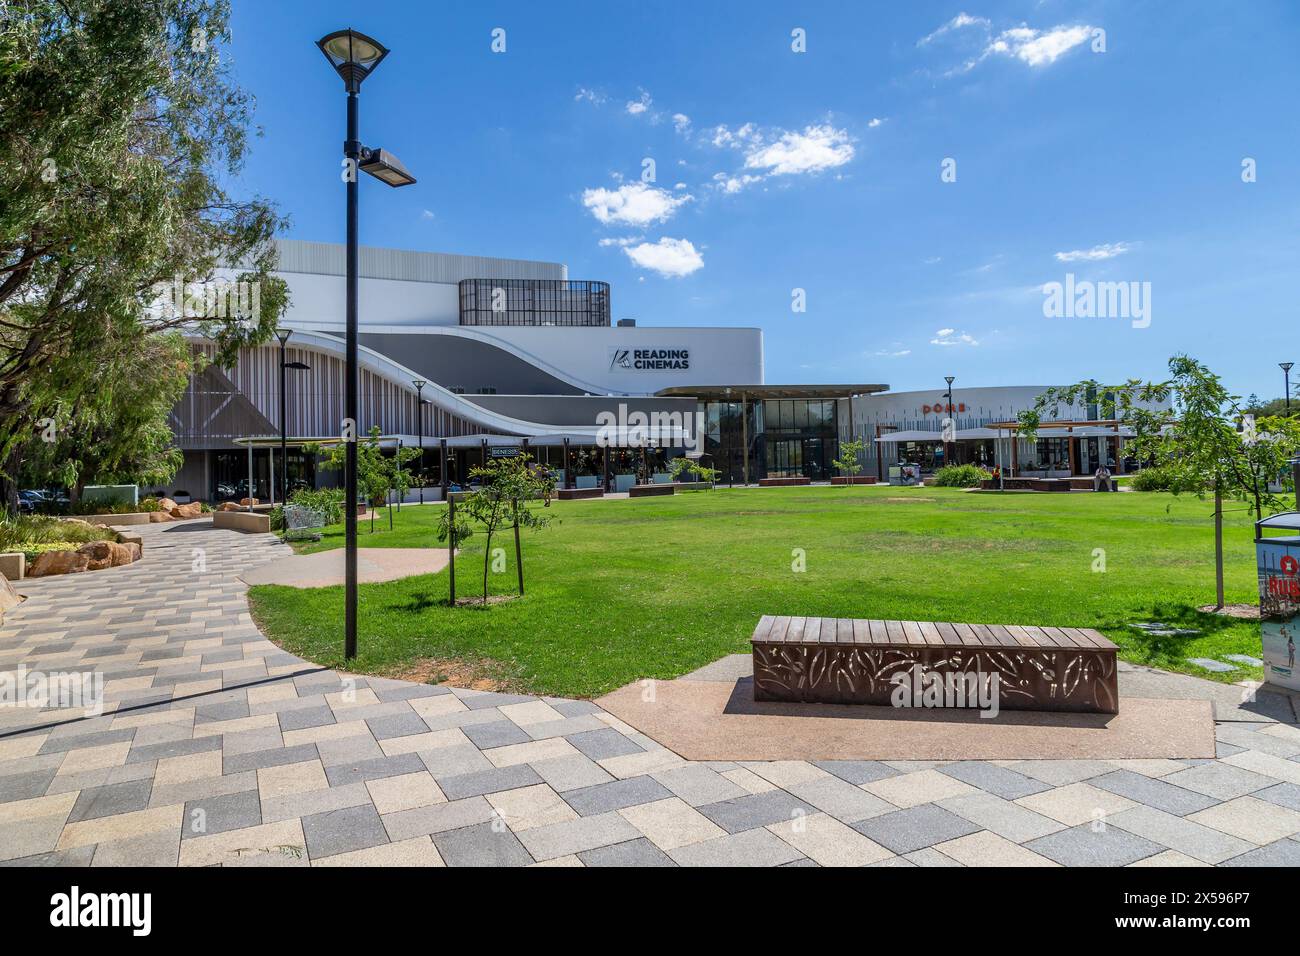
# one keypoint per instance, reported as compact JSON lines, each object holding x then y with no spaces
{"x":843,"y":661}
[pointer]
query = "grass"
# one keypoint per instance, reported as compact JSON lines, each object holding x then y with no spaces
{"x":624,"y":589}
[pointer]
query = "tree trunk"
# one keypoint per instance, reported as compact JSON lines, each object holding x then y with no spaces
{"x":451,"y":550}
{"x":1218,"y":546}
{"x":487,"y":556}
{"x":519,"y":558}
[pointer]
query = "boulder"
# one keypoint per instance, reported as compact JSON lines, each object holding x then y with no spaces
{"x":157,"y":517}
{"x":248,"y":501}
{"x":166,"y":504}
{"x":58,"y":562}
{"x":8,"y":596}
{"x":124,"y":554}
{"x":99,"y":553}
{"x":228,"y":506}
{"x":192,"y":510}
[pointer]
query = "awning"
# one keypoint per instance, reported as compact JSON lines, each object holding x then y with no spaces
{"x":961,"y":434}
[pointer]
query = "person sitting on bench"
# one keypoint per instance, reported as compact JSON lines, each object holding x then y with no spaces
{"x":1101,"y":479}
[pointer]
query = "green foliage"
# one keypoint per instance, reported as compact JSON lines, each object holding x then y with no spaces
{"x":19,"y":532}
{"x":508,"y":492}
{"x":120,"y":128}
{"x":959,"y":476}
{"x":690,"y":469}
{"x":1152,"y":479}
{"x":327,"y":501}
{"x":848,"y":460}
{"x":377,"y":473}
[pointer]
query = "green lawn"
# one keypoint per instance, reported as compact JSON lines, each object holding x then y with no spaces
{"x":656,"y":587}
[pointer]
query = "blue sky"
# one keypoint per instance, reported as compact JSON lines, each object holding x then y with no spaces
{"x":820,"y":171}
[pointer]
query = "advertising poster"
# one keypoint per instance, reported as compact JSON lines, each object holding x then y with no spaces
{"x":1279,"y":597}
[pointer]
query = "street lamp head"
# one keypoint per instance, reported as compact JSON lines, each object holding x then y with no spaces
{"x":419,"y":383}
{"x":950,"y":379}
{"x":300,"y":366}
{"x":1285,"y":366}
{"x":353,"y":55}
{"x":386,"y":167}
{"x":283,"y":335}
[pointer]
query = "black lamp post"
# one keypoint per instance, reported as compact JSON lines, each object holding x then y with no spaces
{"x":283,"y":336}
{"x":419,"y":384}
{"x":1286,"y":375}
{"x":949,"y":379}
{"x":354,"y":57}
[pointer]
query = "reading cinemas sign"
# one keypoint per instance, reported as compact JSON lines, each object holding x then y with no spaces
{"x":650,"y":360}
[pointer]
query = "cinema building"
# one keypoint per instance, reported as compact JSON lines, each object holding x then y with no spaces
{"x":470,"y":357}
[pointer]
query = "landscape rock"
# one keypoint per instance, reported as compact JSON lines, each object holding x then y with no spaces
{"x":58,"y":562}
{"x":228,"y":506}
{"x":248,"y":501}
{"x":124,"y":554}
{"x":8,"y":596}
{"x":166,"y":504}
{"x":192,"y":510}
{"x":99,"y":553}
{"x":157,"y":517}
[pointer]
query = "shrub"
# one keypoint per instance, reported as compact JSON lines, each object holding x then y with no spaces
{"x":960,"y":476}
{"x":328,"y":501}
{"x":22,"y":532}
{"x":1152,"y":479}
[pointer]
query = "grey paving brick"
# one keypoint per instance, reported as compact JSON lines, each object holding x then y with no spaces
{"x":930,"y":857}
{"x":497,"y":733}
{"x":63,"y":744}
{"x":1006,"y":819}
{"x":1219,"y":780}
{"x":1279,"y":853}
{"x":387,"y":690}
{"x":1104,"y":846}
{"x":397,"y":725}
{"x":840,"y":799}
{"x":1186,"y":836}
{"x":97,"y":802}
{"x":229,"y":710}
{"x":173,"y":748}
{"x":260,"y":759}
{"x":857,"y":771}
{"x":615,"y":795}
{"x":750,"y":848}
{"x":632,"y":853}
{"x":80,"y":856}
{"x":477,"y":700}
{"x":1151,"y":792}
{"x":574,"y":836}
{"x":483,"y":845}
{"x":342,"y":774}
{"x":697,"y":784}
{"x":488,"y":781}
{"x":341,"y":831}
{"x":991,"y":778}
{"x":230,"y":811}
{"x":563,"y":774}
{"x":906,"y":830}
{"x":756,"y":810}
{"x":24,"y":786}
{"x":1283,"y":794}
{"x":575,"y":708}
{"x":437,"y":818}
{"x":301,"y":718}
{"x":603,"y":744}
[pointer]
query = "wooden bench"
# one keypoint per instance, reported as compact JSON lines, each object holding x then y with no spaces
{"x":853,"y":661}
{"x":857,"y":480}
{"x":572,"y":494}
{"x":648,"y":491}
{"x":781,"y":482}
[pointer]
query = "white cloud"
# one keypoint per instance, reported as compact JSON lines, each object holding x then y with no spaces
{"x":874,"y":122}
{"x":734,"y":184}
{"x":724,"y":136}
{"x":1039,"y":47}
{"x":637,"y":107}
{"x":621,"y":241}
{"x":1107,"y":250}
{"x":591,"y":96}
{"x":956,"y":23}
{"x":947,"y":337}
{"x":671,"y":258}
{"x":900,"y":353}
{"x":811,"y":151}
{"x":636,"y":204}
{"x":427,"y":214}
{"x":681,"y":122}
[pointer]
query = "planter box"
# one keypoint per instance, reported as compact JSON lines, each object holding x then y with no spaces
{"x":649,"y":491}
{"x":137,"y":517}
{"x":692,"y":485}
{"x":856,"y":480}
{"x":573,"y":494}
{"x":782,"y":482}
{"x":13,"y":565}
{"x":242,"y":521}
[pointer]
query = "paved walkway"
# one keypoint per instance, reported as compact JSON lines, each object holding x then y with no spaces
{"x":325,"y":568}
{"x":219,"y":748}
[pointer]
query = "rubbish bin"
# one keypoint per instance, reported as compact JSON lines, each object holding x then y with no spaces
{"x":1277,"y":560}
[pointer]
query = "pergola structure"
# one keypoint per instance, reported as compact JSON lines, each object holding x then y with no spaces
{"x":1073,"y":430}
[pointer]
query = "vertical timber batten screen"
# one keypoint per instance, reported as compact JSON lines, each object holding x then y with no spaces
{"x":568,"y":302}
